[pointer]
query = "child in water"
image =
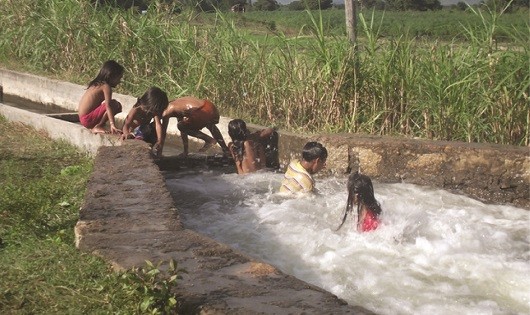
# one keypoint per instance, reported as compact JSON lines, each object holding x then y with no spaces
{"x":193,"y":114}
{"x":252,"y":151}
{"x":299,"y":174}
{"x":361,"y":193}
{"x":97,"y":106}
{"x":138,"y":123}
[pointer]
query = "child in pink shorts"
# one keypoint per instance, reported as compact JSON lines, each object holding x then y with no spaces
{"x":96,"y":106}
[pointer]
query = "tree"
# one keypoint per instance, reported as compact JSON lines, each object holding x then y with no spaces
{"x":462,"y":6}
{"x":318,"y":4}
{"x":296,"y":6}
{"x":266,"y":5}
{"x":418,"y":5}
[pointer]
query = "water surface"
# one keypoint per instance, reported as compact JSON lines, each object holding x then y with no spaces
{"x":435,"y":253}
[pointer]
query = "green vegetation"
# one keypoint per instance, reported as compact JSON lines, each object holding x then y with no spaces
{"x":472,"y":86}
{"x":43,"y":184}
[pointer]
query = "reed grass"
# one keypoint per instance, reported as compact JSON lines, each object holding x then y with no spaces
{"x":470,"y":88}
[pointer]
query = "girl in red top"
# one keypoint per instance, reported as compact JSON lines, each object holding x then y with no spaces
{"x":361,"y":193}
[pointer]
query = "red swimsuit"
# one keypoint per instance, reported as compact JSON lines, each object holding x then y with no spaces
{"x":370,"y":222}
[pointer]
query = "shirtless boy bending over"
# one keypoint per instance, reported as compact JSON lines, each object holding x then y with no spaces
{"x":193,"y":114}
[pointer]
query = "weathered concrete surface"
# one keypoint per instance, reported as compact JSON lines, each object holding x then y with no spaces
{"x":488,"y":172}
{"x":129,"y":216}
{"x":60,"y":129}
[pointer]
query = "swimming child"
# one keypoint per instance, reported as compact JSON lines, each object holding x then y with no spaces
{"x":138,"y":123}
{"x":298,"y":177}
{"x":97,"y":106}
{"x":193,"y":114}
{"x":252,"y":151}
{"x":361,"y":193}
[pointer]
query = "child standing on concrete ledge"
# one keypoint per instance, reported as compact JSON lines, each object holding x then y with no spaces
{"x":138,"y":123}
{"x":96,"y":106}
{"x":193,"y":114}
{"x":298,"y":177}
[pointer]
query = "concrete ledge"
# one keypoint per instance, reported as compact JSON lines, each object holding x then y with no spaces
{"x":60,"y":129}
{"x":67,"y":95}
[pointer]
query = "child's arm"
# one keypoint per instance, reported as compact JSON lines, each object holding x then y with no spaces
{"x":266,"y":133}
{"x":160,"y":135}
{"x":261,"y":135}
{"x":107,"y":92}
{"x":251,"y":158}
{"x":128,"y":126}
{"x":184,"y":138}
{"x":361,"y":219}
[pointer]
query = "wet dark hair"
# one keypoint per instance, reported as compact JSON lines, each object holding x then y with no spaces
{"x":154,"y":100}
{"x":237,"y":130}
{"x":362,"y":186}
{"x":110,"y":70}
{"x":314,"y":150}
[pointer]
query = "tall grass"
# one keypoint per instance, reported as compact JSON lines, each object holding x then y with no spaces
{"x":471,"y":88}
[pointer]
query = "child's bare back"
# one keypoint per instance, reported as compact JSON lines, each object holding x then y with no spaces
{"x":194,"y":114}
{"x":92,"y":98}
{"x":184,"y":107}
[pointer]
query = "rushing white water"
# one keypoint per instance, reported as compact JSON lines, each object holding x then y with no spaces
{"x":435,"y":253}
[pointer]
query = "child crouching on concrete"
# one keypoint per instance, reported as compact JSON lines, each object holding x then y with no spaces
{"x":138,"y":123}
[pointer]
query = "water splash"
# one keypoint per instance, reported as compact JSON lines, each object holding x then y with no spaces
{"x":435,"y":253}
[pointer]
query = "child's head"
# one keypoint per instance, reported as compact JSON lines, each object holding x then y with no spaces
{"x":111,"y":73}
{"x":362,"y":191}
{"x":237,"y":130}
{"x":153,"y":101}
{"x":316,"y":155}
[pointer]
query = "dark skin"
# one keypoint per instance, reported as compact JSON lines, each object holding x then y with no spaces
{"x":254,"y":154}
{"x":184,"y":107}
{"x":93,"y":97}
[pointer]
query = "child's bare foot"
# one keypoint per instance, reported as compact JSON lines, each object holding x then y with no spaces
{"x":207,"y":145}
{"x":99,"y":130}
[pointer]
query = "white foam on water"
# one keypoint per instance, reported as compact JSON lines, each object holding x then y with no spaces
{"x":435,"y":252}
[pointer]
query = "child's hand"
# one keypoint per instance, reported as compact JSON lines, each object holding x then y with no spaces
{"x":125,"y":136}
{"x":114,"y":130}
{"x":157,"y":149}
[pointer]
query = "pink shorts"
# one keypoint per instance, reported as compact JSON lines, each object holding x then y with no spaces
{"x":93,"y":118}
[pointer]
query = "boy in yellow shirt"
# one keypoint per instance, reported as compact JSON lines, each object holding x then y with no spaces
{"x":298,"y":177}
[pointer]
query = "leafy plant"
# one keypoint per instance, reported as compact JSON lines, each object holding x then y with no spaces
{"x":154,"y":285}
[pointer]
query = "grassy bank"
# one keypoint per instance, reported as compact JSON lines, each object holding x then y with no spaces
{"x":472,"y":87}
{"x":43,"y":184}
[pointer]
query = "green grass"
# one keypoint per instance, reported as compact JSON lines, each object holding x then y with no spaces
{"x":43,"y":184}
{"x":443,"y":25}
{"x":296,"y":70}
